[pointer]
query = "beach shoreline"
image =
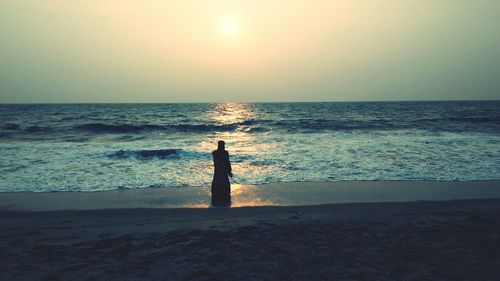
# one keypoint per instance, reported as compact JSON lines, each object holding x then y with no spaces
{"x":273,"y":194}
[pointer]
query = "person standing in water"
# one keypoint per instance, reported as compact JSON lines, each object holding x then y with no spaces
{"x":221,"y":187}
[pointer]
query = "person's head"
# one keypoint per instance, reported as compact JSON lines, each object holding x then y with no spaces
{"x":221,"y":145}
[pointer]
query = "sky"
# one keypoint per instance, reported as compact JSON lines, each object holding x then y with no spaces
{"x":248,"y":51}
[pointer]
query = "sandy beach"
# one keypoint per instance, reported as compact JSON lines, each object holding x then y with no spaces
{"x":425,"y":240}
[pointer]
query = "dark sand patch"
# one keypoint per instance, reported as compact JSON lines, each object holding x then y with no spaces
{"x":454,"y":240}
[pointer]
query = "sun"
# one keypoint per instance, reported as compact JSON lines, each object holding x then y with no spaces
{"x":229,"y":26}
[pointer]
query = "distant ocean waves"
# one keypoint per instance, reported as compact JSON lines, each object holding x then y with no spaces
{"x":85,"y":147}
{"x":102,"y":128}
{"x":454,"y":124}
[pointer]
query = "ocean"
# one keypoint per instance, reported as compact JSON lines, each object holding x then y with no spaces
{"x":96,"y":147}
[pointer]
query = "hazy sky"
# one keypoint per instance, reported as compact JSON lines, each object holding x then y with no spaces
{"x":216,"y":51}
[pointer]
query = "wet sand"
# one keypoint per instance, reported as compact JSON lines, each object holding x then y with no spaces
{"x":426,"y":240}
{"x":274,"y":194}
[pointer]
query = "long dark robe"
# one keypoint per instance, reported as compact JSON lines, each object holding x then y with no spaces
{"x":221,"y":187}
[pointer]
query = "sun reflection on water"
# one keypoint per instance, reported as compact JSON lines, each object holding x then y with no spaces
{"x":243,"y":195}
{"x":246,"y":148}
{"x":231,"y":113}
{"x":238,"y":139}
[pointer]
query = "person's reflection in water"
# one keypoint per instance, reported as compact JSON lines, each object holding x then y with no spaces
{"x":221,"y":188}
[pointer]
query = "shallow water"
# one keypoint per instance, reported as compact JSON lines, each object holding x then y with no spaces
{"x":90,"y":147}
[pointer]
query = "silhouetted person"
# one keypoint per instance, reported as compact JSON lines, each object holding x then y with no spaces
{"x":221,"y":188}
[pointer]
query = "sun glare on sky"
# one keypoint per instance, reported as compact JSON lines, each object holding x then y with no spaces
{"x":229,"y":26}
{"x":237,"y":50}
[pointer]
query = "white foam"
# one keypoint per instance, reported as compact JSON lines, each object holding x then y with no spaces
{"x":257,"y":158}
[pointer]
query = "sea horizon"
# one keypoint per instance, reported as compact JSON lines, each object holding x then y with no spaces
{"x":257,"y":102}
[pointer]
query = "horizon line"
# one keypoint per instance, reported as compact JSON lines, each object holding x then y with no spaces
{"x":249,"y":102}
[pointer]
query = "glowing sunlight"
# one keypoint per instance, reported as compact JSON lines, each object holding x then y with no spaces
{"x":229,"y":27}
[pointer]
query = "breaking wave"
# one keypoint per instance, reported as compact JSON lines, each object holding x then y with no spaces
{"x":146,"y":154}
